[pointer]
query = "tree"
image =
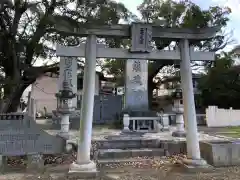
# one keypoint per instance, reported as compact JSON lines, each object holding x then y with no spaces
{"x":221,"y":85}
{"x":27,"y":35}
{"x":177,"y":14}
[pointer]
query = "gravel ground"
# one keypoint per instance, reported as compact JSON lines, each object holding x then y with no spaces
{"x":172,"y":173}
{"x":127,"y":173}
{"x":153,"y":169}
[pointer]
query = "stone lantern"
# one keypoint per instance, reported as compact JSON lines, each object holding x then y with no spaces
{"x":178,"y":109}
{"x":65,"y":107}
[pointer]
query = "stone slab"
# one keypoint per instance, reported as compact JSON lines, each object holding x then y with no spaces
{"x":83,"y":171}
{"x":174,"y":147}
{"x":130,"y":136}
{"x":128,"y":143}
{"x":107,"y":162}
{"x":194,"y":166}
{"x":197,"y":169}
{"x":24,"y":137}
{"x":82,"y":175}
{"x":136,"y":90}
{"x":129,"y":153}
{"x":221,"y":153}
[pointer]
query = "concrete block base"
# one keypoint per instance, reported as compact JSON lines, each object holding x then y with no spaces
{"x":179,"y":134}
{"x":83,"y":171}
{"x":125,"y":131}
{"x":195,"y":166}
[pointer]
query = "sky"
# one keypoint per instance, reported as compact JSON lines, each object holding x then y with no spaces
{"x":234,"y":22}
{"x":233,"y":25}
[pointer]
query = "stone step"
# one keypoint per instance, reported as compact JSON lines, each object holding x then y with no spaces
{"x":135,"y":143}
{"x":129,"y":153}
{"x":121,"y":161}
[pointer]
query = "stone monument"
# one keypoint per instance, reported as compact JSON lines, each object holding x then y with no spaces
{"x":136,"y":85}
{"x":68,"y":72}
{"x":136,"y":78}
{"x":22,"y":136}
{"x":66,"y":97}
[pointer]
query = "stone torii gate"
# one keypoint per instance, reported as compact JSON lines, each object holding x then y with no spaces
{"x":142,"y":51}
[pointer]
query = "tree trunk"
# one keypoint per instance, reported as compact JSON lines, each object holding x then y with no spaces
{"x":16,"y":100}
{"x":11,"y":100}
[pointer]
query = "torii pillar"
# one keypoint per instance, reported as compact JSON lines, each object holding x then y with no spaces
{"x":193,"y":150}
{"x":83,"y":162}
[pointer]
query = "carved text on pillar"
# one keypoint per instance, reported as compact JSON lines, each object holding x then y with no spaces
{"x":68,"y":71}
{"x":136,"y":67}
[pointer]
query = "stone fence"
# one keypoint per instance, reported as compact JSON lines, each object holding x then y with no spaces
{"x":217,"y":117}
{"x":201,"y":119}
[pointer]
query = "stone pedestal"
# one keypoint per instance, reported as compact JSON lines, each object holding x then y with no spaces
{"x":195,"y":165}
{"x":126,"y":122}
{"x":165,"y":122}
{"x":83,"y":171}
{"x":180,"y":131}
{"x":65,"y":126}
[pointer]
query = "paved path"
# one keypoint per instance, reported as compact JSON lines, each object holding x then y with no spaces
{"x":205,"y":133}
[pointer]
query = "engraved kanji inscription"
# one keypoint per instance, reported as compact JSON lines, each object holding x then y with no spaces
{"x":68,"y":62}
{"x":141,"y":37}
{"x":138,"y":96}
{"x":68,"y":71}
{"x":28,"y":139}
{"x":136,"y":67}
{"x":137,"y":80}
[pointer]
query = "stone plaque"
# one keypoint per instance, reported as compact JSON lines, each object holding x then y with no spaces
{"x":24,"y":137}
{"x":68,"y":73}
{"x":141,"y":37}
{"x":136,"y":84}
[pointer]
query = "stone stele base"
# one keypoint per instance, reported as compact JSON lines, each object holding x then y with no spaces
{"x":83,"y":171}
{"x":195,"y":166}
{"x":179,"y":134}
{"x":65,"y":136}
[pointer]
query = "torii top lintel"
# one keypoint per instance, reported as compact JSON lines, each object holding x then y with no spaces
{"x":124,"y":31}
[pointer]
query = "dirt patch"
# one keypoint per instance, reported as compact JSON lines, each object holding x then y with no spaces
{"x":171,"y":173}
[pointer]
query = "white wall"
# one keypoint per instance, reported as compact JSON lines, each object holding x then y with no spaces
{"x":216,"y":117}
{"x":44,"y":89}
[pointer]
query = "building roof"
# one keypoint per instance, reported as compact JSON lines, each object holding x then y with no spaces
{"x":177,"y":78}
{"x":236,"y":49}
